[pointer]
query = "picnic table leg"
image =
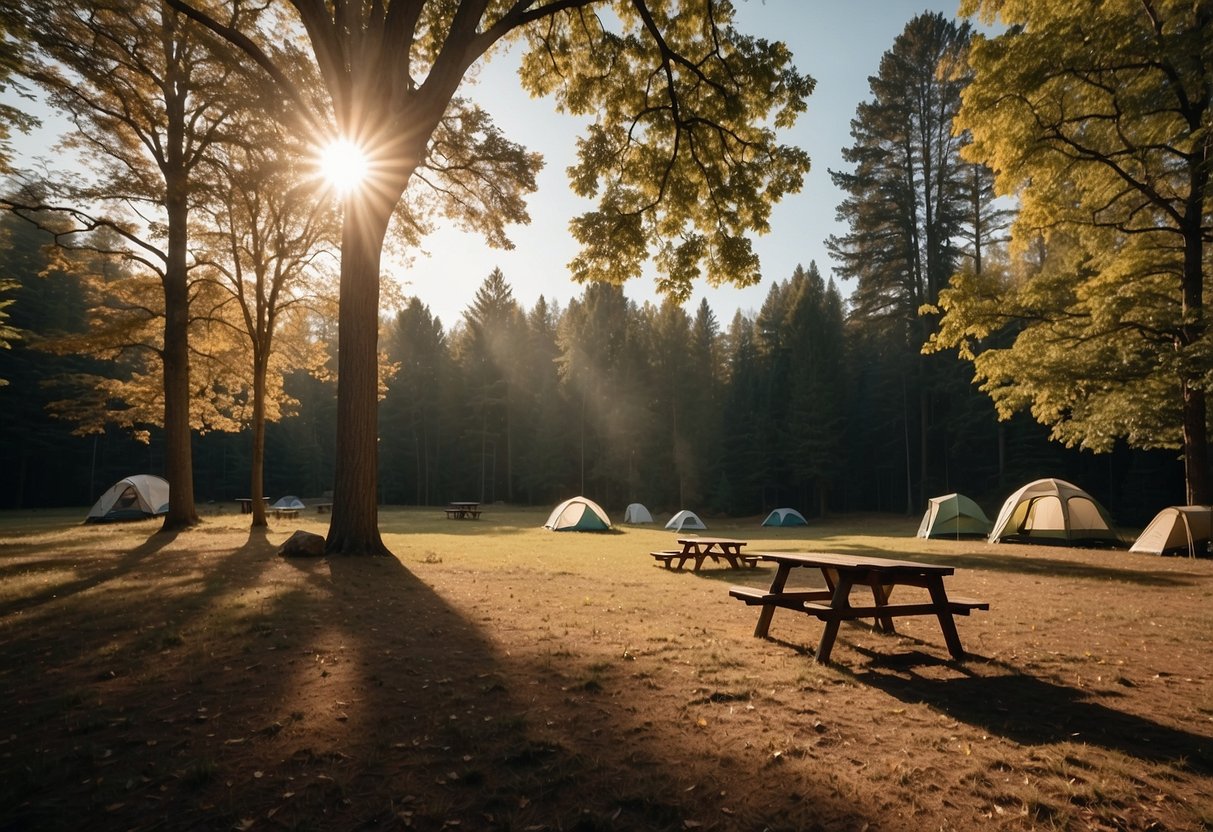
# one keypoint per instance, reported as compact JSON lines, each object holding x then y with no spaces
{"x":768,"y":610}
{"x":731,"y":554}
{"x":841,"y":600}
{"x":939,"y":596}
{"x":881,"y":593}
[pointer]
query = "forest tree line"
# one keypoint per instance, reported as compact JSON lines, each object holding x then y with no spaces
{"x":794,"y":405}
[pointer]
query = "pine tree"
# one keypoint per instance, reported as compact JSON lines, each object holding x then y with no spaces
{"x":906,"y":210}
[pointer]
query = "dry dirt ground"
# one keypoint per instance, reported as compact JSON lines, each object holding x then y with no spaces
{"x":500,"y":677}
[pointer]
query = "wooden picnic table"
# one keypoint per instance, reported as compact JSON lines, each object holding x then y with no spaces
{"x":463,"y":510}
{"x":842,"y":573}
{"x":700,"y":549}
{"x":246,"y":504}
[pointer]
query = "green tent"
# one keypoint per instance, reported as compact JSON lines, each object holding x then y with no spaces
{"x":953,"y":515}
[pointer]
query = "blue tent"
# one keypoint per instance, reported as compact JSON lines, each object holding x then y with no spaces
{"x":785,"y":517}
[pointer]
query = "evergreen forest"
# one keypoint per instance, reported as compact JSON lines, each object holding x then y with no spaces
{"x":796,"y":405}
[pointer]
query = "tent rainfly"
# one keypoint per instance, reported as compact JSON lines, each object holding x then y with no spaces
{"x":637,"y":513}
{"x":578,"y":514}
{"x":785,"y":517}
{"x":685,"y":520}
{"x":1054,"y":511}
{"x":288,"y":502}
{"x":953,"y":515}
{"x":1177,"y":530}
{"x":131,"y":498}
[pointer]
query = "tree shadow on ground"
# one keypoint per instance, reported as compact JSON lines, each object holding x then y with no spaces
{"x":1028,"y":710}
{"x":404,"y":714}
{"x":124,"y":564}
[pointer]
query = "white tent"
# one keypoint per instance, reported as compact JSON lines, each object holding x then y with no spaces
{"x":131,"y":498}
{"x":685,"y":520}
{"x":1177,"y":530}
{"x":637,"y":513}
{"x":288,"y":502}
{"x":785,"y":517}
{"x":578,"y":514}
{"x":953,"y":515}
{"x":1053,"y":511}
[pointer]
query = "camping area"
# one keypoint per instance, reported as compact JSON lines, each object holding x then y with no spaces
{"x":496,"y":675}
{"x":650,"y":416}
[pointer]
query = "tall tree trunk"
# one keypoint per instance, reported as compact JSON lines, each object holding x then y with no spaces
{"x":354,"y":526}
{"x":1196,"y":447}
{"x":178,"y":459}
{"x":1195,"y":408}
{"x":178,"y":456}
{"x":257,"y":474}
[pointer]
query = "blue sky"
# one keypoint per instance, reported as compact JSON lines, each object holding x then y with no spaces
{"x":838,"y":44}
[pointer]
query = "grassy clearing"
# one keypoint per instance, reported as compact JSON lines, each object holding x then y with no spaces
{"x":499,"y":676}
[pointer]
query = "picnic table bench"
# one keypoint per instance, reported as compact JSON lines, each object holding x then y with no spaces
{"x":832,"y":603}
{"x":701,"y":548}
{"x":463,"y":510}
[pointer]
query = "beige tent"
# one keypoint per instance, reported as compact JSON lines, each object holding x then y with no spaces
{"x":1054,"y":511}
{"x":1178,"y":530}
{"x":578,"y":514}
{"x":132,"y":498}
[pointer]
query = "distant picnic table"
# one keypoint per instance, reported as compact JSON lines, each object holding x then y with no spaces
{"x":700,"y":549}
{"x":463,"y":510}
{"x":246,"y":504}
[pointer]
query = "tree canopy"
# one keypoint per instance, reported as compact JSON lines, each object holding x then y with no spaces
{"x":682,"y":152}
{"x":1101,"y":125}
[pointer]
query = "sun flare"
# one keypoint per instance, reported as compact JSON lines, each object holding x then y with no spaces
{"x":344,"y":165}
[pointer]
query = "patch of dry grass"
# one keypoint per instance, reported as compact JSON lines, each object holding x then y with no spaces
{"x":499,"y":676}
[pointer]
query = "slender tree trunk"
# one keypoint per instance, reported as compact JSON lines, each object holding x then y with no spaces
{"x":257,"y":474}
{"x":1195,"y":407}
{"x":178,"y":455}
{"x":178,"y":459}
{"x":905,"y":421}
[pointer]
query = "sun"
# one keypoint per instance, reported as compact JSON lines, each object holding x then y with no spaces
{"x":344,"y":165}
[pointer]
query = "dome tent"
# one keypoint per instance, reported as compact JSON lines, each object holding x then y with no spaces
{"x":288,"y":502}
{"x":131,"y":498}
{"x":637,"y":513}
{"x":578,"y":514}
{"x":1053,"y":511}
{"x":953,"y":515}
{"x":785,"y":517}
{"x":1177,"y":530}
{"x":685,"y":520}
